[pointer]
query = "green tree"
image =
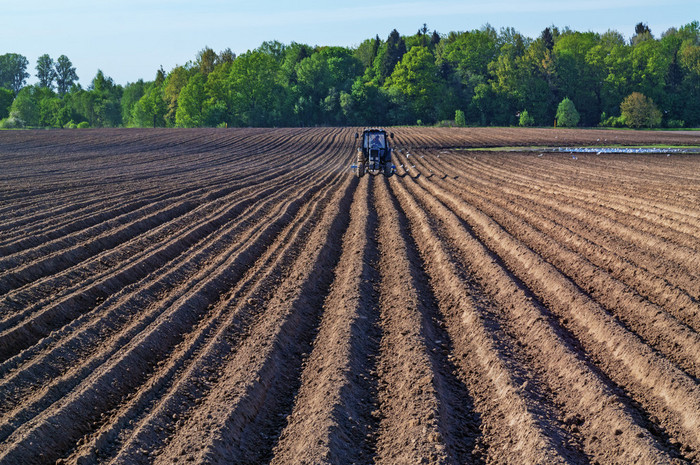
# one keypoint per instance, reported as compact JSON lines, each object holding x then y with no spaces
{"x":133,"y":91}
{"x":218,"y":90}
{"x":641,"y":33}
{"x":567,"y":115}
{"x":191,"y":103}
{"x":65,"y":75}
{"x":367,"y":51}
{"x":106,"y":101}
{"x":368,"y":104}
{"x":463,"y":61}
{"x":609,"y":65}
{"x":45,"y":71}
{"x":471,"y":52}
{"x":256,"y":95}
{"x":395,"y":49}
{"x":689,"y":60}
{"x":13,"y":71}
{"x":526,"y":120}
{"x":414,"y":88}
{"x":227,"y":56}
{"x":207,"y":60}
{"x":174,"y":83}
{"x":576,"y":79}
{"x":52,"y":110}
{"x":460,"y":119}
{"x":639,"y":111}
{"x":25,"y":107}
{"x":320,"y":80}
{"x":6,"y":99}
{"x":547,"y":39}
{"x":150,"y":109}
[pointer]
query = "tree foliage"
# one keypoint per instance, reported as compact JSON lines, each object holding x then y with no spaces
{"x":45,"y":71}
{"x":65,"y":75}
{"x":6,"y":99}
{"x":13,"y":71}
{"x":525,"y":119}
{"x":395,"y":49}
{"x":638,"y":111}
{"x":567,"y":115}
{"x":488,"y":75}
{"x":460,"y":119}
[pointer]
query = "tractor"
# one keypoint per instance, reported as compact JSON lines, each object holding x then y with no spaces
{"x":374,"y":153}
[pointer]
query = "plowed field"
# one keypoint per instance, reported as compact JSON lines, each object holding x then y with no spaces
{"x":238,"y":296}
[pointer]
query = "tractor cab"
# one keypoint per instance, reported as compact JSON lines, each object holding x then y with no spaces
{"x":374,"y":153}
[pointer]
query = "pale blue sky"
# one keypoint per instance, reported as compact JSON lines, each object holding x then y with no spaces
{"x":130,"y":39}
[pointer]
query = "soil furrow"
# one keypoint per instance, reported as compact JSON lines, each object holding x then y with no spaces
{"x":432,"y":418}
{"x":514,"y":430}
{"x":596,"y":401}
{"x":638,"y":368}
{"x":659,"y":329}
{"x":143,"y":426}
{"x":238,"y":296}
{"x":130,"y":365}
{"x":244,"y":411}
{"x":115,"y":313}
{"x":332,"y":420}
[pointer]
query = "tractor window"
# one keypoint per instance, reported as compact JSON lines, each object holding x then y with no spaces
{"x":375,"y":141}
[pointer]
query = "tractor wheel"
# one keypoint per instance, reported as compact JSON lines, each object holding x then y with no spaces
{"x":360,"y":170}
{"x":388,"y":169}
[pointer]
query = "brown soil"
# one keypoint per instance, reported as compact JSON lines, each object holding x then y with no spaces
{"x":238,"y":296}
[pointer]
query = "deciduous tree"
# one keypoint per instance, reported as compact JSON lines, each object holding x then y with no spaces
{"x":567,"y":115}
{"x":6,"y":98}
{"x":45,"y":71}
{"x":191,"y":103}
{"x":65,"y":75}
{"x":638,"y":111}
{"x":414,"y":86}
{"x":13,"y":71}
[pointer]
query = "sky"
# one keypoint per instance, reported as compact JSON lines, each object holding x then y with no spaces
{"x":131,"y":39}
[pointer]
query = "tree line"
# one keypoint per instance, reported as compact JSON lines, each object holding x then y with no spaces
{"x":479,"y":77}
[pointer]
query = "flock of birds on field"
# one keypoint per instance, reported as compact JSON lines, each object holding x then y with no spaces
{"x":578,"y":150}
